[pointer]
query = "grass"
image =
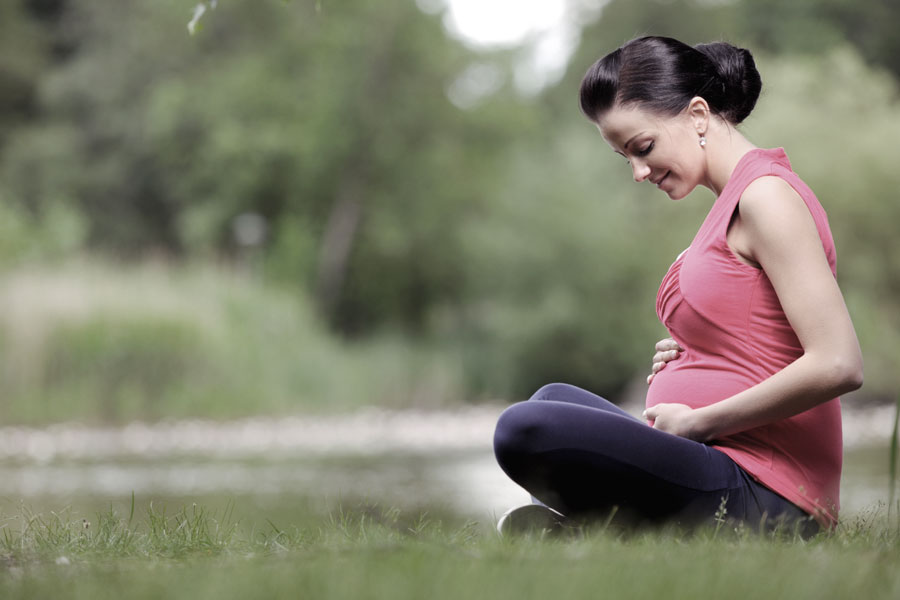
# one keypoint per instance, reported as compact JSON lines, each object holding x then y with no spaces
{"x":372,"y":553}
{"x":100,"y":343}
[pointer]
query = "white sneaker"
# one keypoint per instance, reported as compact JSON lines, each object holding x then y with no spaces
{"x":531,"y":518}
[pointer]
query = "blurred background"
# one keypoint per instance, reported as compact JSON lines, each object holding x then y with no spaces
{"x":317,"y":207}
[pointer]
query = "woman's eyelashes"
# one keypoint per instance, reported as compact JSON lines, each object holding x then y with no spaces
{"x":645,"y":150}
{"x":639,"y":153}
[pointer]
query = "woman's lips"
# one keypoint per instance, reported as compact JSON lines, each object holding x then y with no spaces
{"x":661,"y":179}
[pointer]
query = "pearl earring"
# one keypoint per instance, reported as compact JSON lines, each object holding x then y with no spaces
{"x":702,"y":141}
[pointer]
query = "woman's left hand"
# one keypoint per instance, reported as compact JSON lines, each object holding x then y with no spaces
{"x":677,"y":419}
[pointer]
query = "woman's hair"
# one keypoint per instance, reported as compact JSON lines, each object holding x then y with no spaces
{"x":662,"y":75}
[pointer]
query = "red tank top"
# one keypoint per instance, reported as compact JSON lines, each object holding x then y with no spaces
{"x":727,"y":317}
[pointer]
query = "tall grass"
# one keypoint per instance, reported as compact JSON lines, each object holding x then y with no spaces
{"x":98,"y":342}
{"x":188,"y":531}
{"x":194,"y":530}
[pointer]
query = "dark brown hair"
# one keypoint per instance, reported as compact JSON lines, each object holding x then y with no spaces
{"x":662,"y":75}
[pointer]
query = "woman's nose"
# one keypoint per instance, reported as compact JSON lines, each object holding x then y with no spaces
{"x":640,"y":169}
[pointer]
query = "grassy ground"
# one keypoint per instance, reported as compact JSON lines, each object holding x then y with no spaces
{"x":371,"y":553}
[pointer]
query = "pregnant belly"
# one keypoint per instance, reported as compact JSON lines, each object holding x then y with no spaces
{"x":694,"y":385}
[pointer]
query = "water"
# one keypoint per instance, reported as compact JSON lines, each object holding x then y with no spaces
{"x":290,"y":468}
{"x":296,"y":468}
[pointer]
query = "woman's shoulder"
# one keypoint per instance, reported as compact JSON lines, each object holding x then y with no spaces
{"x":775,"y":212}
{"x":772,"y":202}
{"x":779,"y":192}
{"x":769,"y":180}
{"x":769,"y":192}
{"x":753,"y":165}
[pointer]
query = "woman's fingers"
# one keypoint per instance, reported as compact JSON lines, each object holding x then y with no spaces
{"x":668,"y":344}
{"x":657,"y":367}
{"x":666,"y":356}
{"x":666,"y":350}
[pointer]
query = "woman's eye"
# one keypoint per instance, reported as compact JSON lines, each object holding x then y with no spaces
{"x":645,"y":150}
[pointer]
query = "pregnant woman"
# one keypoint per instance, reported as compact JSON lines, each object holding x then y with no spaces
{"x":744,"y":419}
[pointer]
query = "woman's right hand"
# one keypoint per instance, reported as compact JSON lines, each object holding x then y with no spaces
{"x":666,"y":350}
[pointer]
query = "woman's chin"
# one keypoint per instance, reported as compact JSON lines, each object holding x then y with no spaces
{"x":677,"y":193}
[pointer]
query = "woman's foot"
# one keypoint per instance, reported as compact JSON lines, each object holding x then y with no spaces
{"x":530,"y":519}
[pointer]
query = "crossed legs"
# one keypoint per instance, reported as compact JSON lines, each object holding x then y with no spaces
{"x":582,"y":455}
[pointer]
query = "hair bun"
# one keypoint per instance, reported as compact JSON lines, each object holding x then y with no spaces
{"x":742,"y":83}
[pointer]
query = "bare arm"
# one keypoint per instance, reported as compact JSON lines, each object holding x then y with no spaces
{"x":775,"y":230}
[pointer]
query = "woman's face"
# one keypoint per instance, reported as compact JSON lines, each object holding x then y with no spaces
{"x":662,"y":150}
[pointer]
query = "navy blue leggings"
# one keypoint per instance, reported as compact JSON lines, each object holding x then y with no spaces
{"x":582,"y":455}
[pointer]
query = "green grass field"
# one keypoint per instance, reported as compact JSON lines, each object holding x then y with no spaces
{"x":372,"y":553}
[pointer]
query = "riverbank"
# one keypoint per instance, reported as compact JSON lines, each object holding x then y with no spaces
{"x":399,"y":456}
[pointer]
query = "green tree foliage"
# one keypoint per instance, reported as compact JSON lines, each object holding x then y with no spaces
{"x":774,"y":26}
{"x":22,"y":54}
{"x":497,"y":225}
{"x":333,"y":125}
{"x":812,"y":26}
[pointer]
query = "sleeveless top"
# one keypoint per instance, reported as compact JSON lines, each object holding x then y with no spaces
{"x":727,"y":317}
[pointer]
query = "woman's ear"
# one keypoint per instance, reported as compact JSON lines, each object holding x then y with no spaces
{"x":698,"y":111}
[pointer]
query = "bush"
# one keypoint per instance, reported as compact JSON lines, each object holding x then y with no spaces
{"x":99,"y":343}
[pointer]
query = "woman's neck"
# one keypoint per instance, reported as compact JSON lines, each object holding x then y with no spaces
{"x":725,"y":146}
